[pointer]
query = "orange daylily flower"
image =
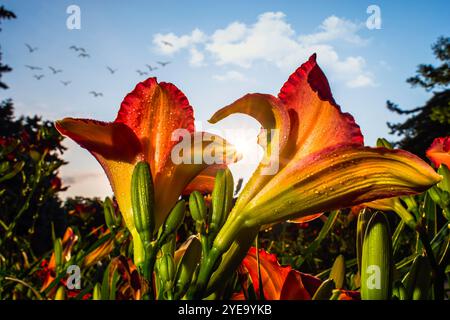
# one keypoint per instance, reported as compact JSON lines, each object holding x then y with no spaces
{"x":204,"y":182}
{"x":439,"y":152}
{"x":279,"y":283}
{"x":68,"y":241}
{"x":323,"y":164}
{"x":143,"y":130}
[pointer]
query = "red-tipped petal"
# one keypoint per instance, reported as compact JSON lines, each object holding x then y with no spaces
{"x":439,"y":152}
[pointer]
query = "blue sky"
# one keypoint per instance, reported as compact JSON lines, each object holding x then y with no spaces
{"x":219,"y":51}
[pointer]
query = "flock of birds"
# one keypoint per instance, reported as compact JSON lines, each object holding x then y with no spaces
{"x":83,"y":54}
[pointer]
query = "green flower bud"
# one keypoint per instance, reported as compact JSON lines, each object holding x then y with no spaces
{"x":142,"y":200}
{"x":376,"y":262}
{"x":382,"y":142}
{"x":187,"y":266}
{"x":222,"y":199}
{"x":58,"y":250}
{"x":173,"y":221}
{"x":197,"y":207}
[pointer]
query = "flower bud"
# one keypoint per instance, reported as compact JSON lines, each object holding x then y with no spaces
{"x":376,"y":272}
{"x":222,"y":199}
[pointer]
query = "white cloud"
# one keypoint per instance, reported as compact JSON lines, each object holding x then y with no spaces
{"x":197,"y":58}
{"x":170,"y":43}
{"x":230,"y":75}
{"x":272,"y":40}
{"x":334,"y":28}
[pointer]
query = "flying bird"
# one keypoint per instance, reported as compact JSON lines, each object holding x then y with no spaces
{"x":77,"y":48}
{"x":54,"y":70}
{"x":66,"y":83}
{"x":96,"y":94}
{"x":141,"y":73}
{"x":84,"y":55}
{"x":38,"y":77}
{"x":150,"y":68}
{"x":30,"y":48}
{"x":167,"y":43}
{"x":111,"y":70}
{"x":163,"y":64}
{"x":33,"y":67}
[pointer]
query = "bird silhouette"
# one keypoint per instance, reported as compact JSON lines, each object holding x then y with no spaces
{"x":167,"y":43}
{"x":141,"y":73}
{"x":66,"y":83}
{"x":33,"y":67}
{"x":96,"y":94}
{"x":30,"y":48}
{"x":38,"y":77}
{"x":54,"y":70}
{"x":75,"y":48}
{"x":163,"y":64}
{"x":84,"y":55}
{"x":111,"y":70}
{"x":150,"y":68}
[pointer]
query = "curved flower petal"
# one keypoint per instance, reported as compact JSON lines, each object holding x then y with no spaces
{"x":317,"y":122}
{"x":151,"y":121}
{"x":273,"y":117}
{"x":279,"y":283}
{"x":439,"y":152}
{"x":154,"y":111}
{"x":204,"y":182}
{"x":338,"y":178}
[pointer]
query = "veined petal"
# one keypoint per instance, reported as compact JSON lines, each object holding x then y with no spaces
{"x":272,"y":115}
{"x":316,"y":120}
{"x":338,"y":178}
{"x":189,"y":158}
{"x":116,"y":148}
{"x":439,"y":152}
{"x":154,"y":111}
{"x":204,"y":182}
{"x":278,"y":282}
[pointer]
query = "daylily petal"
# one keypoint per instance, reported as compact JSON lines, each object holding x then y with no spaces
{"x":204,"y":182}
{"x":278,"y":282}
{"x":146,"y":129}
{"x":154,"y":111}
{"x":315,"y":116}
{"x":439,"y":152}
{"x":272,"y":115}
{"x":307,"y":218}
{"x":337,"y":178}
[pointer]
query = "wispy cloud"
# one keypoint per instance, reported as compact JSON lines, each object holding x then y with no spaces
{"x":232,"y":75}
{"x":272,"y":39}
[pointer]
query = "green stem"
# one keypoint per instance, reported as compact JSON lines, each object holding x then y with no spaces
{"x":438,"y":274}
{"x":206,"y":270}
{"x":260,"y":284}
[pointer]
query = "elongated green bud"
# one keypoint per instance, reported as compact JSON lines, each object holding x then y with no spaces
{"x":108,"y":210}
{"x":417,"y":281}
{"x":445,"y":182}
{"x":142,"y":201}
{"x":197,"y":207}
{"x":337,"y":272}
{"x":173,"y":221}
{"x":382,"y":142}
{"x":166,"y":267}
{"x":376,"y":273}
{"x":57,"y":247}
{"x":187,"y":266}
{"x":222,"y":199}
{"x":60,"y":293}
{"x":325,"y":291}
{"x":363,"y":219}
{"x":97,"y":292}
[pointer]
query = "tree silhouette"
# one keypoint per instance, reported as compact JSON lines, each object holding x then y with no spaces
{"x":4,"y":15}
{"x":433,"y":119}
